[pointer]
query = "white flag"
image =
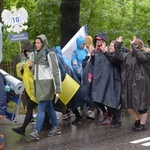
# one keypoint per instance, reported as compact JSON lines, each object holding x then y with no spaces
{"x":71,"y":45}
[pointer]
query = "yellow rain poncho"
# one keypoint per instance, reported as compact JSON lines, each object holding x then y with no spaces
{"x":28,"y":79}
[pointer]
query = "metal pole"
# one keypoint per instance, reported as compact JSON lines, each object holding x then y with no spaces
{"x":20,"y":47}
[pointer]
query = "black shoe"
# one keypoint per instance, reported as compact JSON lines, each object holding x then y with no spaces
{"x":77,"y":120}
{"x":34,"y":119}
{"x":115,"y":125}
{"x":19,"y":131}
{"x":140,"y":128}
{"x":136,"y":124}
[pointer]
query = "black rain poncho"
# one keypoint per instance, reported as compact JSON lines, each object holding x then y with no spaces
{"x":135,"y":76}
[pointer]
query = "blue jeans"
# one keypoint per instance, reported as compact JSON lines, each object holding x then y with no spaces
{"x":42,"y":106}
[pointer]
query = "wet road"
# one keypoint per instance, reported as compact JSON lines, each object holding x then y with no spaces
{"x":88,"y":135}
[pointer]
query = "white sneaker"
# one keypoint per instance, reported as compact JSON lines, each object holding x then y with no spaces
{"x":54,"y":131}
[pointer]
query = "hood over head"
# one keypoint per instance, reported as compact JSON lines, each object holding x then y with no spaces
{"x":79,"y":41}
{"x":99,"y":36}
{"x":27,"y":46}
{"x":44,"y":41}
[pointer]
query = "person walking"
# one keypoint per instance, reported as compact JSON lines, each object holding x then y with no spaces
{"x":17,"y":59}
{"x":47,"y":79}
{"x":24,"y":71}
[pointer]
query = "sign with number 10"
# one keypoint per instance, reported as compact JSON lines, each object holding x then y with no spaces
{"x":15,"y":19}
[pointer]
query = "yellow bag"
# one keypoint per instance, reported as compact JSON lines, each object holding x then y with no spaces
{"x":69,"y":88}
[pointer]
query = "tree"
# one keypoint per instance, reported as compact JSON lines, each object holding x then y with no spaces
{"x":1,"y":8}
{"x":69,"y":25}
{"x":116,"y":17}
{"x":47,"y":20}
{"x":10,"y":49}
{"x":59,"y":20}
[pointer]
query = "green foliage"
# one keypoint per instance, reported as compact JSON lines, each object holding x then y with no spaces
{"x":47,"y":20}
{"x":115,"y":17}
{"x":44,"y":18}
{"x":11,"y":49}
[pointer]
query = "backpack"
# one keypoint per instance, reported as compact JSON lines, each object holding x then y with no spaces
{"x":61,"y":64}
{"x":62,"y":68}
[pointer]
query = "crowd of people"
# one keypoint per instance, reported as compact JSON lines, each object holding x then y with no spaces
{"x":111,"y":78}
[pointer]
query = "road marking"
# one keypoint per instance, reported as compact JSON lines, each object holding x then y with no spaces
{"x":140,"y":140}
{"x":146,"y":144}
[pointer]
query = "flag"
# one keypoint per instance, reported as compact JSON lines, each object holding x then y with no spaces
{"x":71,"y":45}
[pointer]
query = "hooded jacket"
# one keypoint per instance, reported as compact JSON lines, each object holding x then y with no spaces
{"x":24,"y":72}
{"x":46,"y":72}
{"x":78,"y":55}
{"x":27,"y":47}
{"x":28,"y":79}
{"x":105,"y":85}
{"x":101,"y":35}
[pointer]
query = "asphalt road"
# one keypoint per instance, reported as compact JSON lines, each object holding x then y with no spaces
{"x":88,"y":135}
